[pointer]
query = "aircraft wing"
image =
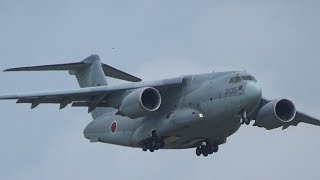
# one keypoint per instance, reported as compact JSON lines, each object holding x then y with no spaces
{"x":300,"y":117}
{"x":92,"y":97}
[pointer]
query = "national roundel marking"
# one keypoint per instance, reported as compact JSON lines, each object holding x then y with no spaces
{"x":114,"y":127}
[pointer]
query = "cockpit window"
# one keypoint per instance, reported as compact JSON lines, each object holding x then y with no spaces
{"x":237,"y":79}
{"x":232,"y":80}
{"x":248,"y":78}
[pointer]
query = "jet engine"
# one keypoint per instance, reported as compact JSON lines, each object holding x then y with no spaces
{"x":275,"y":114}
{"x":140,"y":102}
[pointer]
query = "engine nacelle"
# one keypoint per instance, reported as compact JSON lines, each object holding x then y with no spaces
{"x":275,"y":114}
{"x":140,"y":102}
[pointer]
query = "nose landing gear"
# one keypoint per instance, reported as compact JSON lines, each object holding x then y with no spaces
{"x":206,"y":148}
{"x":244,"y":118}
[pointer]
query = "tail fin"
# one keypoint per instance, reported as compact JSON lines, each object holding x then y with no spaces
{"x":90,"y":72}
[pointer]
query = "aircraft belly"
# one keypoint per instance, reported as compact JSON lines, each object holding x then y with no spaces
{"x":220,"y":121}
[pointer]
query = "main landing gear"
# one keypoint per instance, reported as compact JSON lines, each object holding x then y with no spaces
{"x":244,"y":118}
{"x":153,"y":144}
{"x":206,"y":148}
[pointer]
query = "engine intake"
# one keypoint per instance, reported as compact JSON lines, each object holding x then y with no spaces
{"x":285,"y":110}
{"x":140,"y":102}
{"x":275,"y":114}
{"x":151,"y":99}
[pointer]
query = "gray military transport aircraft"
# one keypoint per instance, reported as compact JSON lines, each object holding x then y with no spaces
{"x":193,"y":111}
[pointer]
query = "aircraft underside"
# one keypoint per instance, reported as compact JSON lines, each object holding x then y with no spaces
{"x":207,"y":142}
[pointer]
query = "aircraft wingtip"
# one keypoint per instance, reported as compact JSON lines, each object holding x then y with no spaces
{"x":9,"y":70}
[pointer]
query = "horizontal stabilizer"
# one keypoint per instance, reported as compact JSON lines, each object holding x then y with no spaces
{"x":115,"y":73}
{"x":73,"y":67}
{"x":55,"y":67}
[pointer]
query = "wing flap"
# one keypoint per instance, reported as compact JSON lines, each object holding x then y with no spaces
{"x":87,"y":104}
{"x":27,"y":100}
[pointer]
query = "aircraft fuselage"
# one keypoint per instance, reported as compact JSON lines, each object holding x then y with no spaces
{"x":207,"y":107}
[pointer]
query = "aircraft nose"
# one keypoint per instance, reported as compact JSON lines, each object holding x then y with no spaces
{"x":253,"y":92}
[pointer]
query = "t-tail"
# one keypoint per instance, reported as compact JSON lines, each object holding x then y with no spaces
{"x":90,"y":72}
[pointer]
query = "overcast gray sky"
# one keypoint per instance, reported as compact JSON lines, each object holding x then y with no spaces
{"x":276,"y":40}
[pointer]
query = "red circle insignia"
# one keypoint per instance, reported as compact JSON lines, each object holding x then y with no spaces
{"x":114,"y":127}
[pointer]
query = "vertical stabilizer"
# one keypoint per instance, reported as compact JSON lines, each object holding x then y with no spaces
{"x":90,"y":75}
